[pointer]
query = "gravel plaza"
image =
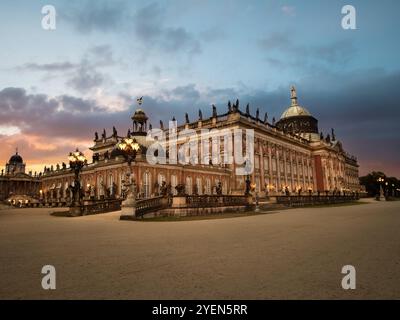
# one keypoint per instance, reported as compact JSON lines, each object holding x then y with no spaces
{"x":283,"y":254}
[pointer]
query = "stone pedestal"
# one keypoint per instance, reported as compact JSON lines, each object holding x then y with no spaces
{"x":178,"y":202}
{"x":130,"y":201}
{"x":128,"y":213}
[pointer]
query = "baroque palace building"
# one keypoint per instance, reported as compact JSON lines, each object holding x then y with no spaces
{"x":289,"y":155}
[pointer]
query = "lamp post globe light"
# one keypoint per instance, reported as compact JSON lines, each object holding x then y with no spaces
{"x":77,"y":161}
{"x":129,"y":148}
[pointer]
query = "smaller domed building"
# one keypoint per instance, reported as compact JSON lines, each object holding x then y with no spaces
{"x":16,"y":186}
{"x":15,"y":165}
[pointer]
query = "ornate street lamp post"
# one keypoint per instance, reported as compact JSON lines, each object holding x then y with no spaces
{"x":129,"y":148}
{"x":381,"y":195}
{"x":76,"y":162}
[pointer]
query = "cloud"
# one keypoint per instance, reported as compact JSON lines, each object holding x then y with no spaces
{"x":188,"y":93}
{"x":100,"y":56}
{"x":283,"y":44}
{"x":150,"y":29}
{"x":212,"y":34}
{"x":148,"y":23}
{"x":289,"y":10}
{"x":93,"y":16}
{"x":6,"y":130}
{"x":86,"y":78}
{"x":81,"y":76}
{"x":49,"y":67}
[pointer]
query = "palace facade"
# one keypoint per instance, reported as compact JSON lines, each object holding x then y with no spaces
{"x":289,"y":155}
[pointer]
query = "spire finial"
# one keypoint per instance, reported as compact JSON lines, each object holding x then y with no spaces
{"x":16,"y":150}
{"x":293,"y":96}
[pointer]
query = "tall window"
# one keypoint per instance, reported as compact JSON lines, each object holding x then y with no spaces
{"x":266,"y":164}
{"x":146,"y":184}
{"x":257,"y":161}
{"x":189,"y":185}
{"x":111,"y":182}
{"x":160,"y":180}
{"x":100,"y":187}
{"x":121,"y":177}
{"x":208,"y":186}
{"x":174,"y":182}
{"x":199,"y":186}
{"x":225,"y":188}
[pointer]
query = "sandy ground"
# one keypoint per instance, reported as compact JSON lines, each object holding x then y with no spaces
{"x":290,"y":254}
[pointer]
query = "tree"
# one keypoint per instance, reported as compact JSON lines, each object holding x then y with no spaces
{"x":372,"y":185}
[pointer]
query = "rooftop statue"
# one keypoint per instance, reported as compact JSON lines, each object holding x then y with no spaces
{"x":229,"y":106}
{"x":214,"y":111}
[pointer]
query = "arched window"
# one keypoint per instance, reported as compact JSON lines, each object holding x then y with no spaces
{"x":147,"y":184}
{"x":188,"y":185}
{"x":121,"y":177}
{"x":258,"y":184}
{"x":100,"y":186}
{"x":199,"y":186}
{"x":174,"y":182}
{"x":111,"y":183}
{"x":225,"y":188}
{"x":160,"y":180}
{"x":214,"y":187}
{"x":208,"y":186}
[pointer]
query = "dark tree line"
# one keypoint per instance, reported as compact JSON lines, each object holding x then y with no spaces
{"x":375,"y":179}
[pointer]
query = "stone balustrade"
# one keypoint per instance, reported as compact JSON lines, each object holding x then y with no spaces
{"x":299,"y":201}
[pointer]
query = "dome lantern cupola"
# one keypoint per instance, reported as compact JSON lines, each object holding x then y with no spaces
{"x":297,"y":119}
{"x":139,"y":119}
{"x":16,"y":159}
